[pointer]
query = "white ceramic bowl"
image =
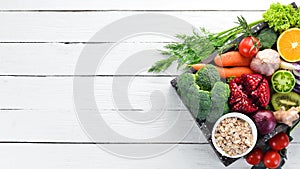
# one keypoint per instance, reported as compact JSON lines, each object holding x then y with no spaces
{"x":240,"y":116}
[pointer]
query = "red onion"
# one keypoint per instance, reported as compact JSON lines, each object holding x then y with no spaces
{"x":265,"y":121}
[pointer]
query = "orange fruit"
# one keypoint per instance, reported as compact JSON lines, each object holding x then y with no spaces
{"x":288,"y":45}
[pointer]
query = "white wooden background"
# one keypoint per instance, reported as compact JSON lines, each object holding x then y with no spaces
{"x":40,"y":42}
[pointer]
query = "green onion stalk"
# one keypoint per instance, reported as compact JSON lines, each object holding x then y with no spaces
{"x":221,"y":38}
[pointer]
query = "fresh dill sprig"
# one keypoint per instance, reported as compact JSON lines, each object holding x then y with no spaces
{"x":194,"y":48}
{"x":191,"y":50}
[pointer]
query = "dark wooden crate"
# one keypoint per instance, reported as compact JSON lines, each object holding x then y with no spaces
{"x":206,"y":127}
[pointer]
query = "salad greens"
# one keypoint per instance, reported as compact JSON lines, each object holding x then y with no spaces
{"x":282,"y":17}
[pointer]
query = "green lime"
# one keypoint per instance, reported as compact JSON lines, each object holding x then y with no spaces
{"x":283,"y":81}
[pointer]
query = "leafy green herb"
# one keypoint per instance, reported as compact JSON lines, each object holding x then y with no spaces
{"x":162,"y":65}
{"x":267,"y":38}
{"x":246,"y":28}
{"x":191,"y":50}
{"x":282,"y":17}
{"x":194,"y":48}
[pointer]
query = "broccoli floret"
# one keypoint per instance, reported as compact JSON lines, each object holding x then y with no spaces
{"x":207,"y":77}
{"x":192,"y":99}
{"x":204,"y":104}
{"x":219,"y":98}
{"x":184,"y":82}
{"x":197,"y":101}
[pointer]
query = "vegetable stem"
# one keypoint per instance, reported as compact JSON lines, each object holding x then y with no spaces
{"x":226,"y":31}
{"x":236,"y":29}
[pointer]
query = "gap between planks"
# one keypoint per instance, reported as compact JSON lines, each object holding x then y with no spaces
{"x":68,"y":43}
{"x":117,"y":143}
{"x":128,"y":75}
{"x":80,"y":27}
{"x":138,"y":10}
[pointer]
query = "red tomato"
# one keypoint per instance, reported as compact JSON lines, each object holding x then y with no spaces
{"x":272,"y":159}
{"x":279,"y":141}
{"x":255,"y":156}
{"x":249,"y":46}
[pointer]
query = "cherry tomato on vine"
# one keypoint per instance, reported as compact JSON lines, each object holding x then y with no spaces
{"x":255,"y":156}
{"x":249,"y":46}
{"x":272,"y":159}
{"x":279,"y":141}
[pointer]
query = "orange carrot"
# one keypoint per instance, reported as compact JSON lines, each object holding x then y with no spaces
{"x":198,"y":66}
{"x":232,"y":58}
{"x":234,"y":71}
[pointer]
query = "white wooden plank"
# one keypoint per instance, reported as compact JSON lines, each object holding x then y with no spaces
{"x":47,"y":156}
{"x":64,"y":126}
{"x":81,"y":26}
{"x":92,"y":157}
{"x":57,"y":92}
{"x":61,"y":59}
{"x":42,"y":109}
{"x":137,"y":5}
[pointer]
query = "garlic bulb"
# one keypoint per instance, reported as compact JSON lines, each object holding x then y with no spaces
{"x":266,"y":62}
